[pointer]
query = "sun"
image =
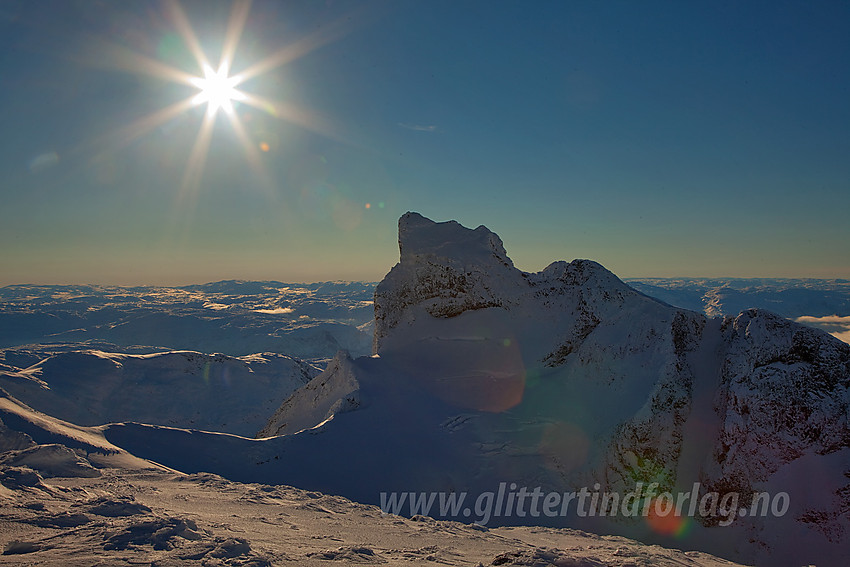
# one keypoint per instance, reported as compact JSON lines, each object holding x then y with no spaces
{"x":218,"y":90}
{"x":215,"y":87}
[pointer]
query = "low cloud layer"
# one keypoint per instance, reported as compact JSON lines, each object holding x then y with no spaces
{"x":275,"y":311}
{"x":836,"y":325}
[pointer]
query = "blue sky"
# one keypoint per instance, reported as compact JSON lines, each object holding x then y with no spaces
{"x":658,"y":138}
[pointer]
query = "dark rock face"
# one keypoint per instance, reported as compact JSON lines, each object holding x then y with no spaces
{"x":445,"y":268}
{"x":783,"y":395}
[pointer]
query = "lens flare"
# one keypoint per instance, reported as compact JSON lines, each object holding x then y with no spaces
{"x":664,"y":519}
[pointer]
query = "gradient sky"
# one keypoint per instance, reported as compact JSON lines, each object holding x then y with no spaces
{"x":658,"y":138}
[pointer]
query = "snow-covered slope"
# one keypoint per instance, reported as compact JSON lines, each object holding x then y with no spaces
{"x":38,"y":441}
{"x":158,"y":518}
{"x":332,"y":392}
{"x":180,"y":388}
{"x":563,"y":379}
{"x":68,"y":497}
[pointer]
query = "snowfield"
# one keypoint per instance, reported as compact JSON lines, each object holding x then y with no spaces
{"x":177,"y":388}
{"x":82,"y":501}
{"x":124,"y":518}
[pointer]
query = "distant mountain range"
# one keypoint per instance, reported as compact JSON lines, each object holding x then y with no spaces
{"x":790,"y":298}
{"x":824,"y":304}
{"x":310,"y":321}
{"x":314,"y":321}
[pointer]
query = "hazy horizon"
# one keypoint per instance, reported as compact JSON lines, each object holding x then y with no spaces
{"x":285,"y":280}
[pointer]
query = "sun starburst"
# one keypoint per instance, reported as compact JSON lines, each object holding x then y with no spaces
{"x":217,"y":89}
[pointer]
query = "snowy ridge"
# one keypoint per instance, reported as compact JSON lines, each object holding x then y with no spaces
{"x":783,"y":397}
{"x":179,"y":388}
{"x":333,"y":391}
{"x":42,"y":442}
{"x":446,"y":270}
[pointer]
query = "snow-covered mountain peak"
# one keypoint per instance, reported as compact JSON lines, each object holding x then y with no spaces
{"x":446,"y":270}
{"x":580,"y":272}
{"x":420,"y":238}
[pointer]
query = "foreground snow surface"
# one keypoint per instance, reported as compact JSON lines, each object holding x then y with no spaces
{"x":72,"y":498}
{"x":125,"y":517}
